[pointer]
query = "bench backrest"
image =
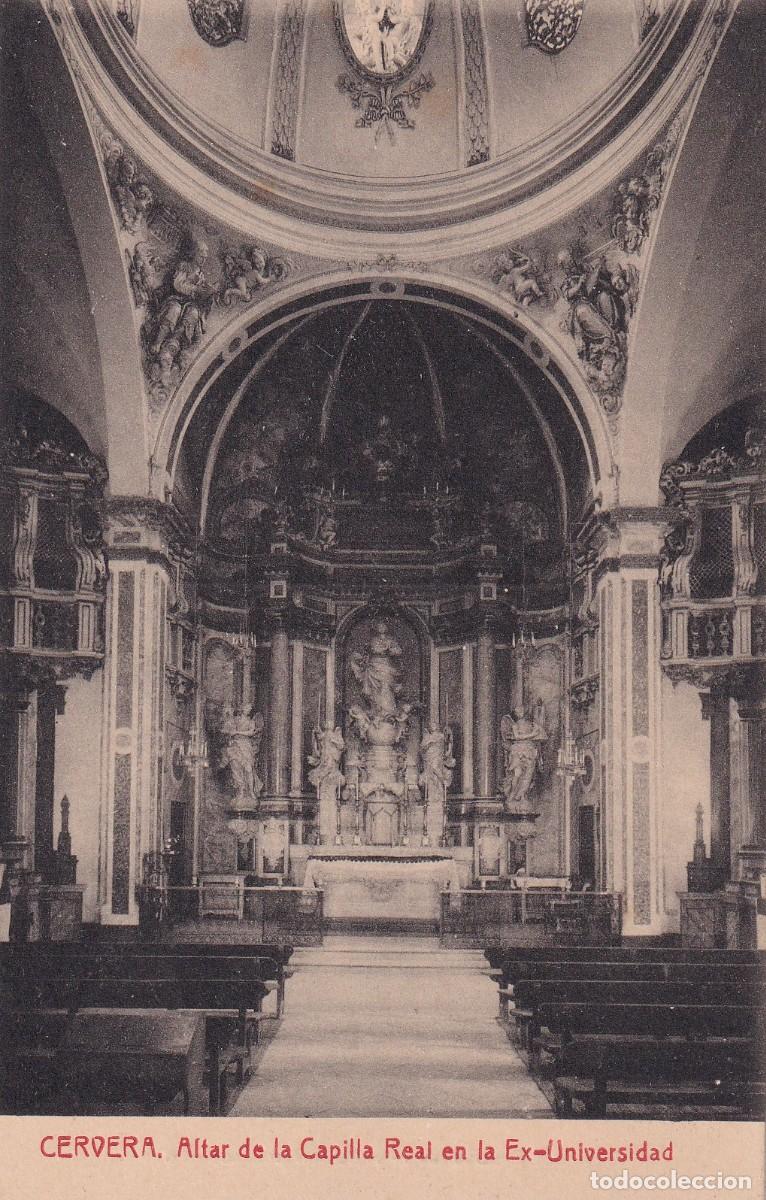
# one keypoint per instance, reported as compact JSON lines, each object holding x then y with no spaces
{"x":661,"y":971}
{"x":279,"y":952}
{"x":140,"y":966}
{"x":498,"y":955}
{"x":59,"y":992}
{"x":533,"y":992}
{"x":711,"y":1020}
{"x":728,"y":1059}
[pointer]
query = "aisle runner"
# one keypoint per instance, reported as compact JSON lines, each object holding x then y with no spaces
{"x":414,"y":1037}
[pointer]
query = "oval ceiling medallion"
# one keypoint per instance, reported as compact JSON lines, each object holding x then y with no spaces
{"x":383,"y":39}
{"x":552,"y":24}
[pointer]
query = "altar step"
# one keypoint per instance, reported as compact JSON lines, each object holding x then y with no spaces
{"x":389,"y":953}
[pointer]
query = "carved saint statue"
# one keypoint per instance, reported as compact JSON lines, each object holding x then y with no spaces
{"x":242,"y":731}
{"x":327,"y":750}
{"x":378,"y":673}
{"x":522,"y":738}
{"x":437,"y":760}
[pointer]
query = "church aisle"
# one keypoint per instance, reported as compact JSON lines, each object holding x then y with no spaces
{"x":390,"y":1027}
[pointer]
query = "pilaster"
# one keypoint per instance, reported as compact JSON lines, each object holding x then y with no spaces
{"x":141,"y":535}
{"x":628,"y":544}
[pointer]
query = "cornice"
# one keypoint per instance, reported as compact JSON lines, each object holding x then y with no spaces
{"x":313,"y":211}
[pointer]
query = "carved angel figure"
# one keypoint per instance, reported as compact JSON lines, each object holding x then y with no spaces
{"x":242,"y":731}
{"x":522,"y":737}
{"x":132,"y":195}
{"x":245,"y":271}
{"x":327,"y":749}
{"x":437,"y":759}
{"x":634,"y":202}
{"x":515,"y":272}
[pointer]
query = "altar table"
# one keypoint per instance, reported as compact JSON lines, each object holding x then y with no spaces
{"x":389,"y":889}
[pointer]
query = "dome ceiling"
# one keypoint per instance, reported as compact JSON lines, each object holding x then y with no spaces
{"x":316,"y":121}
{"x":387,"y":88}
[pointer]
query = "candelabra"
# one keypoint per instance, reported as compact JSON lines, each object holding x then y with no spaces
{"x":571,"y":759}
{"x":195,"y":751}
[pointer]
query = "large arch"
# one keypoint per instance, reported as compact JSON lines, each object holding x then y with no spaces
{"x":476,"y":301}
{"x":699,"y":343}
{"x":112,"y":409}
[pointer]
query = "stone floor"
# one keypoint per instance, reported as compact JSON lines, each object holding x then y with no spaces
{"x":387,"y":1026}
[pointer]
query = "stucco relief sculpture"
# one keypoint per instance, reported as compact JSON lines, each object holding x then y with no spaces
{"x":241,"y":733}
{"x":601,"y":301}
{"x":517,"y":274}
{"x":177,"y":313}
{"x":637,"y":199}
{"x":383,"y":41}
{"x":132,"y":195}
{"x":522,"y":737}
{"x":246,"y":270}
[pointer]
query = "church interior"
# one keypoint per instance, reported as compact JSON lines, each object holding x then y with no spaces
{"x":382,"y":570}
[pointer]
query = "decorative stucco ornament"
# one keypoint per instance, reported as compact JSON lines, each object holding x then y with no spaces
{"x":552,"y":24}
{"x":383,"y":41}
{"x":218,"y":22}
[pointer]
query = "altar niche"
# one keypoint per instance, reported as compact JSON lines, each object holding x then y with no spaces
{"x":376,"y":794}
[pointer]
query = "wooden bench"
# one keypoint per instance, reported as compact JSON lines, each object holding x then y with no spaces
{"x":49,"y":953}
{"x":104,"y":1058}
{"x":657,"y":972}
{"x":598,"y":1070}
{"x":231,"y":1004}
{"x":531,"y":996}
{"x":497,"y":955}
{"x":280,"y":954}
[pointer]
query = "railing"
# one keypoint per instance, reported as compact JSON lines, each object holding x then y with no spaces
{"x":267,"y":914}
{"x":529,"y":916}
{"x":713,"y":631}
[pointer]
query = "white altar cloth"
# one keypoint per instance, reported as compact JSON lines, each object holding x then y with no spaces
{"x":388,"y":890}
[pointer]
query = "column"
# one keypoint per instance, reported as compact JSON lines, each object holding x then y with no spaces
{"x":19,"y":682}
{"x":47,"y":705}
{"x":279,"y":707}
{"x":750,"y":790}
{"x":131,"y":777}
{"x":720,"y":777}
{"x":630,"y":631}
{"x":296,"y":760}
{"x":486,"y":704}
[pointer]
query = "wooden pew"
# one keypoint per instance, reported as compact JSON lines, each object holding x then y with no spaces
{"x":682,"y":1053}
{"x":661,"y":972}
{"x":659,"y":1020}
{"x":530,"y":996}
{"x":231,"y":1007}
{"x":496,"y":955}
{"x":104,"y":1058}
{"x":109,"y":952}
{"x":281,"y":955}
{"x":34,"y":969}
